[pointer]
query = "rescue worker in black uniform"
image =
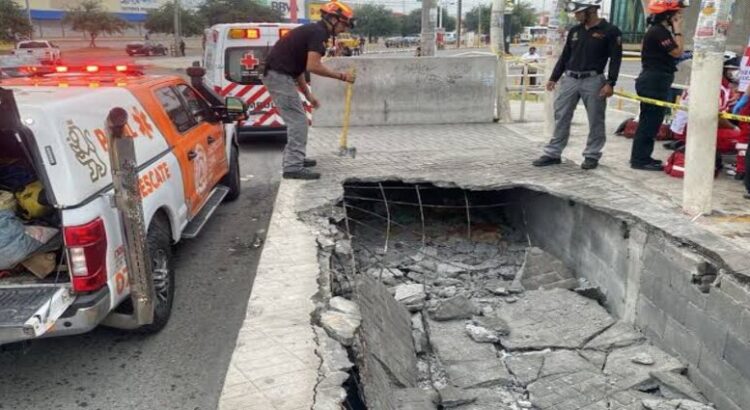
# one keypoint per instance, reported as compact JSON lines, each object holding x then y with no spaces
{"x":294,"y":54}
{"x":661,"y":49}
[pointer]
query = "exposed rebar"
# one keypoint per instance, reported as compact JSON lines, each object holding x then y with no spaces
{"x":468,"y":216}
{"x":388,"y":215}
{"x":421,"y":215}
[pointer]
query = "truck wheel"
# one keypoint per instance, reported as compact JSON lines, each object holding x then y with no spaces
{"x":160,"y":251}
{"x":232,"y":179}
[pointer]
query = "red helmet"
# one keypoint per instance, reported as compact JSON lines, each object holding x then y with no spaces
{"x":663,"y":6}
{"x":340,"y":10}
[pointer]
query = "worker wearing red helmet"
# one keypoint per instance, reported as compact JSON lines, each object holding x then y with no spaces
{"x":297,"y":52}
{"x":662,"y":45}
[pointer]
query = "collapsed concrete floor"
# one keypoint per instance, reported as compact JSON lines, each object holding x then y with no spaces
{"x":455,"y":308}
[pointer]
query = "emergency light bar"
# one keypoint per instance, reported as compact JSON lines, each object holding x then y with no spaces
{"x":94,"y":69}
{"x":244,"y":33}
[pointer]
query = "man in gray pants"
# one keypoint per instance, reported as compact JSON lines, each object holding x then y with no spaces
{"x":298,"y":51}
{"x":588,"y":48}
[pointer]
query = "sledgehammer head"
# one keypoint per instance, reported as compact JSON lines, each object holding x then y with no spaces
{"x":350,"y":152}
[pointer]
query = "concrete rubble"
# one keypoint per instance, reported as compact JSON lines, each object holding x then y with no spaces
{"x":491,"y":323}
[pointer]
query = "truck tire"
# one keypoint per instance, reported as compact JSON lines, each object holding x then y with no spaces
{"x":159,"y":242}
{"x":232,"y":179}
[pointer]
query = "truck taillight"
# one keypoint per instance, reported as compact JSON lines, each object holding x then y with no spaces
{"x":283,"y":32}
{"x":87,"y":255}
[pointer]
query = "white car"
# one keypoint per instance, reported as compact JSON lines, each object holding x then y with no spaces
{"x":43,"y":50}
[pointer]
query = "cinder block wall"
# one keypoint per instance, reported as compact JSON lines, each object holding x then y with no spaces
{"x":673,"y":294}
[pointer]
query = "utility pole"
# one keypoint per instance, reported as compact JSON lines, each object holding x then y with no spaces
{"x":479,"y":24}
{"x":709,"y":44}
{"x":497,"y":41}
{"x":177,"y":30}
{"x":429,"y":20}
{"x":458,"y":26}
{"x":28,"y":16}
{"x":555,"y":43}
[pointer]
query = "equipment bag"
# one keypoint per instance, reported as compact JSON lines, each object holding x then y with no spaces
{"x":675,"y":165}
{"x":629,"y":127}
{"x":741,"y":152}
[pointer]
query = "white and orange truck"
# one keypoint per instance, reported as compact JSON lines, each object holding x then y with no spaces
{"x":53,"y":126}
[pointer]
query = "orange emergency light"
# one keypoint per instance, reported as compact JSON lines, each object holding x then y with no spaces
{"x":244,"y":33}
{"x":283,"y":32}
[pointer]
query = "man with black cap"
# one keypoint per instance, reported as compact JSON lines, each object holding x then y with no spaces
{"x":580,"y":72}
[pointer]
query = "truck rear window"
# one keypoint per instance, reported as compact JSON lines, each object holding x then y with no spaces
{"x":33,"y":44}
{"x":245,"y":65}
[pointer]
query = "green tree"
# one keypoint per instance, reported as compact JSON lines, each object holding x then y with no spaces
{"x":523,"y":15}
{"x":233,"y":11}
{"x":375,"y":21}
{"x":13,"y":20}
{"x":411,"y":23}
{"x":449,"y":22}
{"x":161,"y":20}
{"x":90,"y":17}
{"x":471,"y":21}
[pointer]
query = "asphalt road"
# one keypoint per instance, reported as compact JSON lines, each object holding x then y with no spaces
{"x":184,"y":366}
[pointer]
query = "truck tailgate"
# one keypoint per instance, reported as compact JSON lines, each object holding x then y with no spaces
{"x":29,"y":311}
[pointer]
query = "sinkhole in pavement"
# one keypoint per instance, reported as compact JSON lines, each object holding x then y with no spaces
{"x":498,"y":299}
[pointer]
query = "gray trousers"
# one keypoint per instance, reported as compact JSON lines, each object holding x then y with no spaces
{"x":570,"y":91}
{"x":283,"y":90}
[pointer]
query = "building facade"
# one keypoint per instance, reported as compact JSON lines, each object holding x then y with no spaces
{"x":47,"y":15}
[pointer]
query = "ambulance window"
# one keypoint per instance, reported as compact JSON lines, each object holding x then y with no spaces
{"x":174,"y":108}
{"x":244,"y":65}
{"x":195,"y":104}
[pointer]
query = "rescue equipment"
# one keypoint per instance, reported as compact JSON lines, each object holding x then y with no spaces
{"x":32,"y":202}
{"x":629,"y":127}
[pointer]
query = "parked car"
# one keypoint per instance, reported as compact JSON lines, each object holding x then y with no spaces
{"x":146,"y":49}
{"x":43,"y":50}
{"x":54,"y":150}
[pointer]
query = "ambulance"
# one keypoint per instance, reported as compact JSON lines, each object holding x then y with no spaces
{"x":234,"y":58}
{"x":53,"y":135}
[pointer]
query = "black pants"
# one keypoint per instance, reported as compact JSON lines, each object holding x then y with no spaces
{"x":656,"y":85}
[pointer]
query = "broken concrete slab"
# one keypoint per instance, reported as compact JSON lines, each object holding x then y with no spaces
{"x":389,"y":359}
{"x":490,"y":399}
{"x":544,"y":270}
{"x":677,"y":386}
{"x":595,"y":357}
{"x":416,"y":399}
{"x":343,"y":305}
{"x":584,"y":389}
{"x":564,"y":361}
{"x":451,"y":343}
{"x":627,"y":400}
{"x":525,"y":367}
{"x":481,"y":334}
{"x":619,"y":335}
{"x":656,"y":404}
{"x":451,"y":397}
{"x":468,"y":374}
{"x":334,"y":357}
{"x":556,"y":318}
{"x":411,"y":295}
{"x":457,"y":307}
{"x":340,"y":326}
{"x":492,"y":322}
{"x":624,"y":374}
{"x":643,"y":358}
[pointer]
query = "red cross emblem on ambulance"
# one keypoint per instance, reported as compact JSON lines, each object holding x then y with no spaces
{"x":249,"y":61}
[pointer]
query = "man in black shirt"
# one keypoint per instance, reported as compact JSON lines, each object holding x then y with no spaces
{"x":294,"y":54}
{"x":580,"y":71}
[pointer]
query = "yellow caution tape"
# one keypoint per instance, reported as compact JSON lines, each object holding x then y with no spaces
{"x":343,"y":139}
{"x":659,"y":103}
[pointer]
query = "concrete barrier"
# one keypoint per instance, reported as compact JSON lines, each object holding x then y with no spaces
{"x":400,"y":91}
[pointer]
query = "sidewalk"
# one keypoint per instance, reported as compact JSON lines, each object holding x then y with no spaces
{"x":275,"y":364}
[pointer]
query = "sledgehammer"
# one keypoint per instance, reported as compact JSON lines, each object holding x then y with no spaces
{"x":344,"y":148}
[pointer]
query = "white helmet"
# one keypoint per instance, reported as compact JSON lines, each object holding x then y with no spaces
{"x":580,"y":5}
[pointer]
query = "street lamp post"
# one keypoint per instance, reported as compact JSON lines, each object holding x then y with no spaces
{"x":28,"y":15}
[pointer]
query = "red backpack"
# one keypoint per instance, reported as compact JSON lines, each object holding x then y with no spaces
{"x":628,"y":128}
{"x":675,"y":165}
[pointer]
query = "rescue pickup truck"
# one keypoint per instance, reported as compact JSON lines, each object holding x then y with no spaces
{"x":186,"y":154}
